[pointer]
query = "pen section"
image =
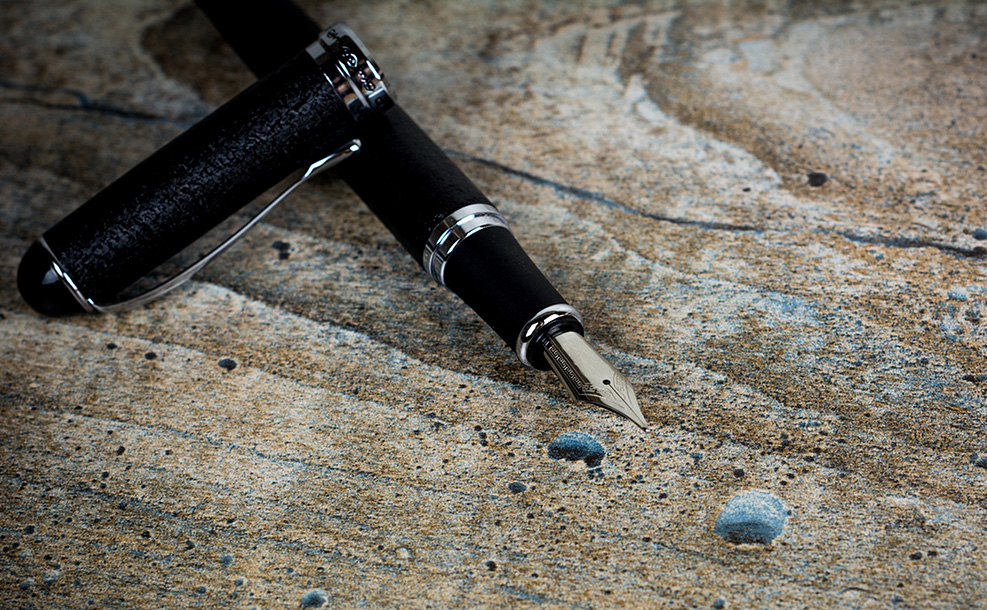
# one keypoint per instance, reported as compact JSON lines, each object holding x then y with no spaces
{"x":494,"y":276}
{"x":281,"y":123}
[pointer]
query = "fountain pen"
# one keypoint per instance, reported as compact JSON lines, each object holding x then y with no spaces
{"x":461,"y":240}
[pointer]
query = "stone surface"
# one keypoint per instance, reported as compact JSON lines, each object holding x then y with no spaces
{"x":770,"y":214}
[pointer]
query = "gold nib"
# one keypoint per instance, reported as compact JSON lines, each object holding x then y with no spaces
{"x":589,"y":377}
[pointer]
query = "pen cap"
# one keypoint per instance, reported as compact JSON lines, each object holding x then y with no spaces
{"x":300,"y":113}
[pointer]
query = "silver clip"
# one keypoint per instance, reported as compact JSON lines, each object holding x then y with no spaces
{"x":338,"y":156}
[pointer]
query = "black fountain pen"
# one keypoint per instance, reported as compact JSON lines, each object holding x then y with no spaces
{"x":442,"y":219}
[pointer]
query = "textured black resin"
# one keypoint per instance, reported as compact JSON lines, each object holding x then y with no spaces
{"x":406,"y":179}
{"x":284,"y":121}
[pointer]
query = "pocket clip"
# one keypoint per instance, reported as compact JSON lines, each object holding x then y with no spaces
{"x":338,"y":156}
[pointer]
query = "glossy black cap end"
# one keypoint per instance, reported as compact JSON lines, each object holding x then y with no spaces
{"x":41,"y":287}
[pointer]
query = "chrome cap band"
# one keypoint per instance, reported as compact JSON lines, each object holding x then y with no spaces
{"x":451,"y":232}
{"x":538,"y":323}
{"x":354,"y":74}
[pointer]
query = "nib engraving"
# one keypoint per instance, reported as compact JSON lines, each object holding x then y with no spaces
{"x":589,"y":377}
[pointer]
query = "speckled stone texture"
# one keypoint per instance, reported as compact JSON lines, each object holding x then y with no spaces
{"x":771,"y":215}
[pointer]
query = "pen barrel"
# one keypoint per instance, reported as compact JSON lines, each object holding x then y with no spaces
{"x":409,"y":183}
{"x":287,"y":120}
{"x":421,"y":188}
{"x":412,"y":186}
{"x":264,"y":34}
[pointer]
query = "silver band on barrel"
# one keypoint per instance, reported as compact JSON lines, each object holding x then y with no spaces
{"x":451,"y":232}
{"x":538,"y":323}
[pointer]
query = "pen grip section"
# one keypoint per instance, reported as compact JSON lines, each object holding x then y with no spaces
{"x":493,"y":274}
{"x":285,"y":121}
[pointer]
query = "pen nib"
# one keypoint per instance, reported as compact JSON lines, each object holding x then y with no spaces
{"x":589,"y":377}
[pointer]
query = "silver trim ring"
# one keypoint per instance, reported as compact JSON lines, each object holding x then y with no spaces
{"x":351,"y":70}
{"x":451,"y":232}
{"x":87,"y":304}
{"x":538,"y":323}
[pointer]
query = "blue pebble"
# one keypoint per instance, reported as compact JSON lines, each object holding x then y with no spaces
{"x":316,"y":598}
{"x":575,"y":446}
{"x":226,"y":559}
{"x":980,"y":234}
{"x":751,"y":517}
{"x":517,"y":487}
{"x":958,"y":294}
